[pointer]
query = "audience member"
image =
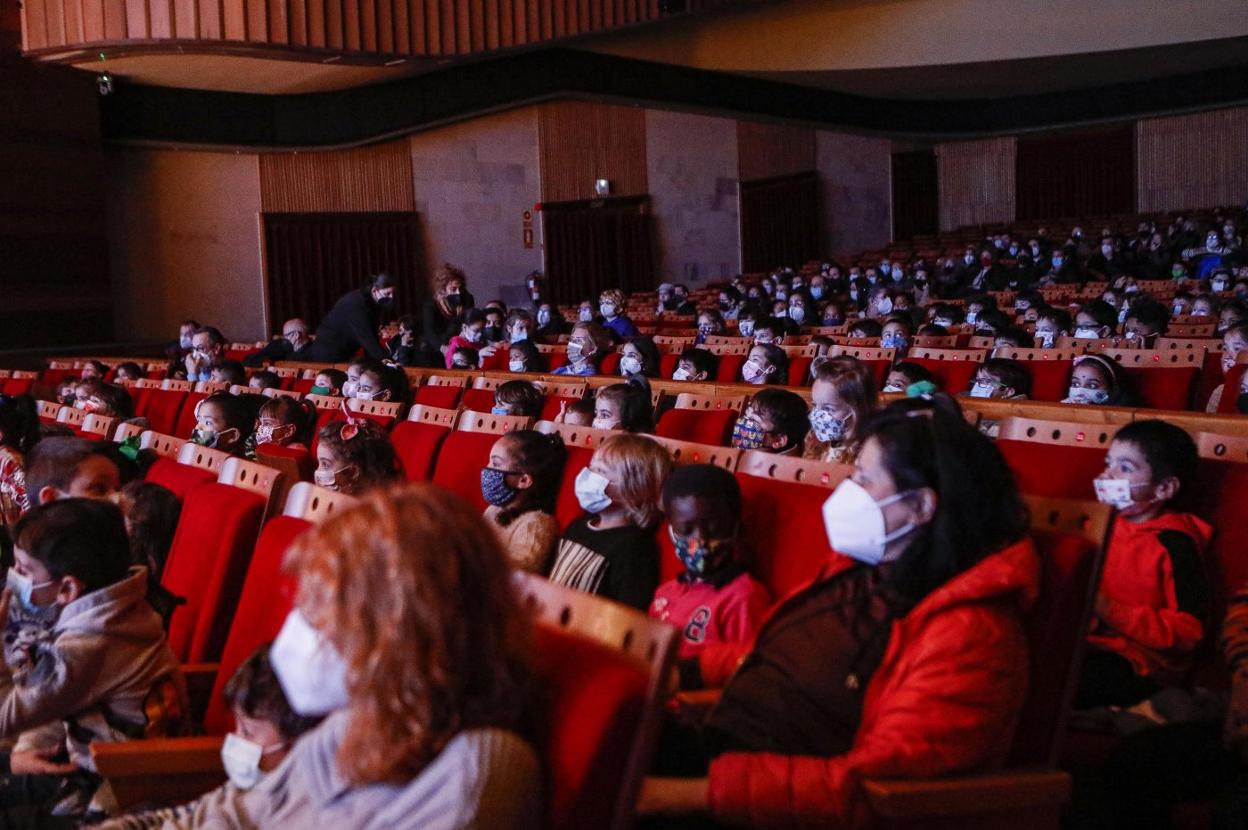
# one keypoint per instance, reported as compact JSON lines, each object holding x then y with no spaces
{"x":521,"y":485}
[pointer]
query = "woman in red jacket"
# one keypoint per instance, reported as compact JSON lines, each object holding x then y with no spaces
{"x":907,"y":657}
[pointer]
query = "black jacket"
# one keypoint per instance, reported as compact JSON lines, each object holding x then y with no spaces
{"x":436,"y":329}
{"x":350,"y":325}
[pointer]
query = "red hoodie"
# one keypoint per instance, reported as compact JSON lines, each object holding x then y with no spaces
{"x":944,"y":700}
{"x":1154,"y":594}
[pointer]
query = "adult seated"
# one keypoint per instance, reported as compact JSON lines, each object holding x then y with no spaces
{"x":296,"y":335}
{"x":921,"y":654}
{"x":352,"y":324}
{"x":421,"y":670}
{"x":442,"y":312}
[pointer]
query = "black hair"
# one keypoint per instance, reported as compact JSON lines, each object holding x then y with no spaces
{"x":1148,"y":312}
{"x":542,"y":456}
{"x":100,"y":367}
{"x":19,"y":422}
{"x":926,"y":442}
{"x":523,"y":397}
{"x":984,"y":301}
{"x":787,"y":410}
{"x":869,"y":328}
{"x":214,"y":334}
{"x":651,"y":359}
{"x":82,"y":538}
{"x":255,"y":691}
{"x":232,"y":372}
{"x":337,"y":377}
{"x":285,"y":408}
{"x":131,"y":368}
{"x":702,"y":360}
{"x":632,"y":401}
{"x":992,"y":318}
{"x":1169,"y":449}
{"x":267,"y":380}
{"x":152,"y":511}
{"x":534,"y":360}
{"x":380,"y":280}
{"x":474,"y":315}
{"x":238,"y":411}
{"x":391,"y":378}
{"x":1102,"y":313}
{"x":703,"y":481}
{"x":1122,"y":391}
{"x":771,"y":324}
{"x":410,"y":322}
{"x":778,"y":358}
{"x":1021,"y":338}
{"x":367,"y":448}
{"x":914,"y":372}
{"x":1060,"y":317}
{"x":1011,"y":373}
{"x":468,"y":353}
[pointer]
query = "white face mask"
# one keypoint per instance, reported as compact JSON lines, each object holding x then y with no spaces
{"x":543,"y":317}
{"x":472,"y":335}
{"x":518,"y":335}
{"x":680,"y":374}
{"x":1116,"y":492}
{"x":855,"y":523}
{"x":797,"y":313}
{"x":1089,"y":396}
{"x":983,"y":390}
{"x":241,"y":759}
{"x":972,"y":317}
{"x":751,"y":372}
{"x":630,"y":365}
{"x":607,"y":309}
{"x":348,"y":388}
{"x":591,"y":491}
{"x":746,"y":327}
{"x":1085,"y":333}
{"x":586,"y":315}
{"x":885,"y":305}
{"x":516,"y":365}
{"x":312,"y":672}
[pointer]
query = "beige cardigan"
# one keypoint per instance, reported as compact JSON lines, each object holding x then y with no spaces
{"x":528,"y":540}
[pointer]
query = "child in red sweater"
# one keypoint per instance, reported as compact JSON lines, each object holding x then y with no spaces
{"x":715,"y":600}
{"x":1152,"y":606}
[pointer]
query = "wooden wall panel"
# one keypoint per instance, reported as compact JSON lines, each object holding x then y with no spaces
{"x":373,"y":178}
{"x":1192,"y":161}
{"x":768,"y":150}
{"x":384,"y":27}
{"x":976,"y":182}
{"x":580,"y":141}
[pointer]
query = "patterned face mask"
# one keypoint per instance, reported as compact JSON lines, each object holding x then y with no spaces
{"x":827,"y":425}
{"x":698,"y":557}
{"x":748,"y":434}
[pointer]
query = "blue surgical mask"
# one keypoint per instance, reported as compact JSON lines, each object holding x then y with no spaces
{"x":23,"y":587}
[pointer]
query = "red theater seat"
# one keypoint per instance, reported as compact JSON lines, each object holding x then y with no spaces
{"x":610,"y":364}
{"x":460,"y":460}
{"x":667,"y":364}
{"x":186,"y":417}
{"x":567,"y":508}
{"x":1165,"y":388}
{"x":478,"y":400}
{"x":417,"y":445}
{"x":552,"y":405}
{"x":951,"y":375}
{"x":1060,"y":460}
{"x":17,"y":386}
{"x":440,"y":397}
{"x":163,"y":408}
{"x":207,"y":562}
{"x":729,"y":370}
{"x":697,"y":425}
{"x":180,"y":478}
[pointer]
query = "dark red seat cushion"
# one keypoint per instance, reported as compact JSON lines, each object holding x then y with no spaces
{"x":701,"y":426}
{"x":440,"y":397}
{"x":1054,"y":470}
{"x":180,"y":478}
{"x":417,"y":444}
{"x":460,"y":460}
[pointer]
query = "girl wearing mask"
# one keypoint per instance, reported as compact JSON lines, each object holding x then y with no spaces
{"x":611,"y":550}
{"x":286,"y":422}
{"x":19,"y":432}
{"x":766,"y":364}
{"x":710,"y":323}
{"x":1098,"y":380}
{"x":471,"y":336}
{"x":519,"y":326}
{"x":587,"y":346}
{"x":550,"y":323}
{"x":525,"y":357}
{"x":353,"y":456}
{"x":925,"y":610}
{"x":378,"y":382}
{"x":624,"y":406}
{"x":397,"y":729}
{"x":224,"y":421}
{"x":1234,"y":341}
{"x":640,"y":357}
{"x":518,"y":397}
{"x":896,"y":334}
{"x":842,"y":397}
{"x":521,"y":485}
{"x":442,"y":312}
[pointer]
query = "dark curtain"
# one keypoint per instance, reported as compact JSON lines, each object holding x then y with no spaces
{"x":916,"y":199}
{"x":779,"y":221}
{"x":312,"y":259}
{"x":598,"y":244}
{"x":1086,"y":173}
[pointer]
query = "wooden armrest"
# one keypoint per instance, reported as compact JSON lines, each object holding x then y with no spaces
{"x":200,"y":678}
{"x":159,"y":771}
{"x":1013,"y":791}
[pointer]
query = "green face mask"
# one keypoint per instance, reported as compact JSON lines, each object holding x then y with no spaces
{"x":320,"y":390}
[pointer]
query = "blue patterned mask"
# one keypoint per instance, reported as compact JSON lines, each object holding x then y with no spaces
{"x":494,"y":486}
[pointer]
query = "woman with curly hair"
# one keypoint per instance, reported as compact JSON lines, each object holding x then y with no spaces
{"x":443,"y":310}
{"x":408,"y":636}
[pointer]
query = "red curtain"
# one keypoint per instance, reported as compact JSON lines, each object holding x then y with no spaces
{"x":312,"y":259}
{"x":779,"y":221}
{"x":1085,"y":173}
{"x":916,"y":198}
{"x":598,"y":244}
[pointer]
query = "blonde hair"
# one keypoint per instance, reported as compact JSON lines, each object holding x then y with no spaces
{"x":413,"y":589}
{"x":614,"y":296}
{"x":637,"y":466}
{"x":441,"y":280}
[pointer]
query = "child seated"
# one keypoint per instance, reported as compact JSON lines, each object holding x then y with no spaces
{"x":224,"y":422}
{"x":624,"y":406}
{"x":129,"y":371}
{"x":1002,"y":379}
{"x":518,"y":397}
{"x":93,"y":370}
{"x":715,"y":600}
{"x":329,"y":382}
{"x":286,"y":422}
{"x":19,"y":433}
{"x":106,"y":671}
{"x":471,"y":337}
{"x":65,"y":467}
{"x":1098,"y":379}
{"x":231,"y":372}
{"x":353,"y":456}
{"x":774,"y":421}
{"x":767,"y":364}
{"x":379,"y":382}
{"x":264,"y":380}
{"x":265,"y":730}
{"x":521,"y":485}
{"x":906,"y":374}
{"x":524,"y":356}
{"x":696,"y":364}
{"x":151,"y":512}
{"x":611,"y":550}
{"x":464,"y":358}
{"x":109,"y":401}
{"x":577,"y":413}
{"x":1152,"y":606}
{"x":841,"y":398}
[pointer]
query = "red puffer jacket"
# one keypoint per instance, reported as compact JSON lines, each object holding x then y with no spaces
{"x":944,"y":700}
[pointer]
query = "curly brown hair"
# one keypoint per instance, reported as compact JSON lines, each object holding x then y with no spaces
{"x":441,"y":280}
{"x":414,"y":591}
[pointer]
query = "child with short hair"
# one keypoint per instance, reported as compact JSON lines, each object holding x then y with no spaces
{"x":1002,"y":379}
{"x":69,"y":467}
{"x":464,"y":358}
{"x":264,"y":380}
{"x":353,"y":456}
{"x":471,"y":338}
{"x":231,"y":371}
{"x":109,"y":401}
{"x":265,"y":730}
{"x":128,"y":371}
{"x":611,"y":550}
{"x":1153,"y":604}
{"x":106,"y":671}
{"x":696,"y":364}
{"x":518,"y":397}
{"x":624,"y":406}
{"x":774,"y":421}
{"x":577,"y":413}
{"x":715,"y":600}
{"x":521,"y":485}
{"x":328,"y":382}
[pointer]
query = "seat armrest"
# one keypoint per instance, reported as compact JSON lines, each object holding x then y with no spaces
{"x":1009,"y":791}
{"x":159,"y":771}
{"x":200,"y":678}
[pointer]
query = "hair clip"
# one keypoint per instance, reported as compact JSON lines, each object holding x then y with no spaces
{"x":351,"y":424}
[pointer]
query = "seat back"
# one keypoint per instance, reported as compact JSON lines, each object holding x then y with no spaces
{"x":782,"y":517}
{"x":164,"y":445}
{"x":1164,"y":378}
{"x":418,"y":439}
{"x":180,"y":479}
{"x":478,"y":400}
{"x":1070,"y":539}
{"x":1055,"y":458}
{"x":466,"y":450}
{"x":604,"y":668}
{"x":186,"y":415}
{"x":438,"y":397}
